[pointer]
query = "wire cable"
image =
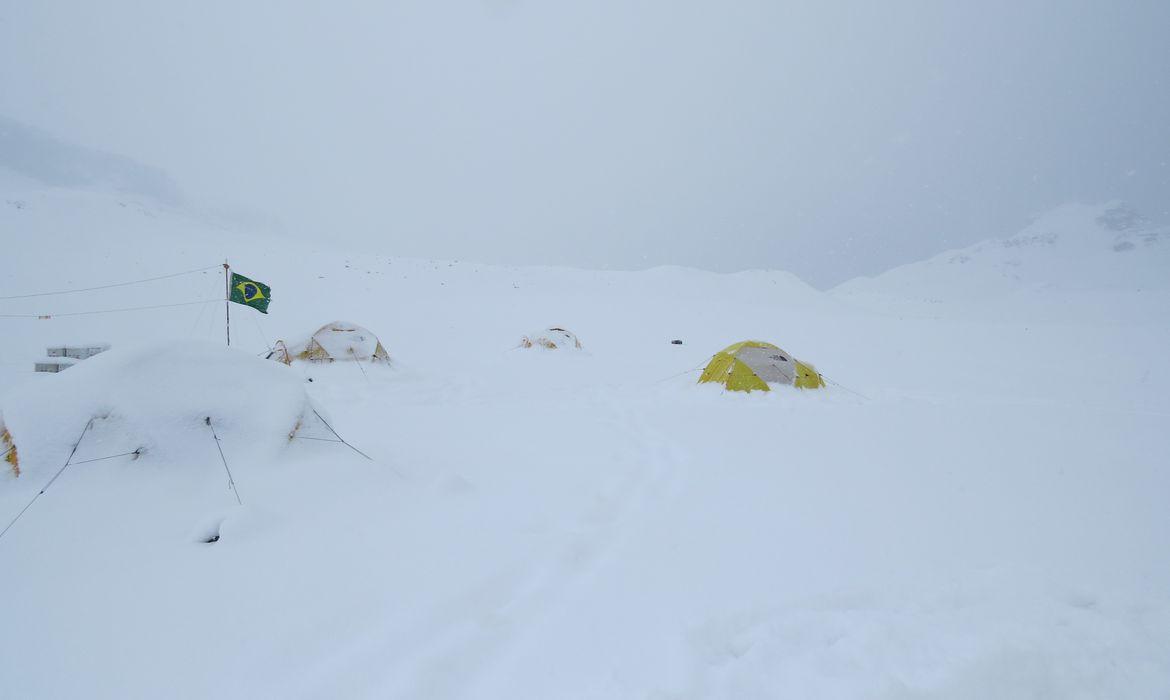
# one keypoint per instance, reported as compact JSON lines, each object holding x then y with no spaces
{"x":363,"y":369}
{"x":231,"y":480}
{"x":842,"y":386}
{"x":45,"y":317}
{"x":198,"y":318}
{"x":263,"y":335}
{"x":685,"y":371}
{"x":46,"y":487}
{"x":341,"y":439}
{"x":107,"y":286}
{"x":98,"y":459}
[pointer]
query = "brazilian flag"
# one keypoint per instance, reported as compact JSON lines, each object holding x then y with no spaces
{"x":250,"y":293}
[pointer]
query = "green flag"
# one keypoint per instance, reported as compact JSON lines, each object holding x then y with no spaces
{"x":250,"y":293}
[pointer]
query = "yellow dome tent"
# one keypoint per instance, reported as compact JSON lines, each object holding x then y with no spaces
{"x":752,"y":365}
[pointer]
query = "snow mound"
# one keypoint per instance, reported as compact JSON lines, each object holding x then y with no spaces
{"x":155,"y":398}
{"x":1074,"y":247}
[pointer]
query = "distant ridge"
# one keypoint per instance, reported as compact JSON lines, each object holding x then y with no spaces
{"x":38,"y":155}
{"x":1072,"y":247}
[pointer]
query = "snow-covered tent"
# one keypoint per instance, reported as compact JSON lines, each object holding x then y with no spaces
{"x":163,"y":400}
{"x":279,"y":352}
{"x":551,"y":339}
{"x":338,"y":340}
{"x":752,"y":365}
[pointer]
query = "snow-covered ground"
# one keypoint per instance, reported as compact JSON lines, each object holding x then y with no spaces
{"x":975,"y":508}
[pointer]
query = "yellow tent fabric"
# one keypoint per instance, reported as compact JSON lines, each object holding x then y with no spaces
{"x":751,"y":364}
{"x":8,"y":449}
{"x":807,"y":377}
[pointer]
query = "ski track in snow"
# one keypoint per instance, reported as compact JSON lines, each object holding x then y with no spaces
{"x":453,"y":654}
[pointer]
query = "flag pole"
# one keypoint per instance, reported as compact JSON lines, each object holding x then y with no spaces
{"x":227,"y":301}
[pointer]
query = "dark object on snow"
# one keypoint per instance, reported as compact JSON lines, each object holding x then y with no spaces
{"x":676,"y":342}
{"x":211,"y":540}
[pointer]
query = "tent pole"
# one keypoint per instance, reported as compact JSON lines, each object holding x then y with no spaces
{"x":227,"y":301}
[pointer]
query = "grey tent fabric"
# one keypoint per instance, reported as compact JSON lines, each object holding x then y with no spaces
{"x":769,"y":364}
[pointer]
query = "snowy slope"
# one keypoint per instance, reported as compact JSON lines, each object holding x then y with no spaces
{"x":1094,"y":254}
{"x":32,"y":154}
{"x":977,"y":514}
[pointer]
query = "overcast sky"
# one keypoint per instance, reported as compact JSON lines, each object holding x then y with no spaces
{"x":827,"y":138}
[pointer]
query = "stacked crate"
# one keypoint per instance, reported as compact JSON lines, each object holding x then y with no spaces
{"x":63,"y":357}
